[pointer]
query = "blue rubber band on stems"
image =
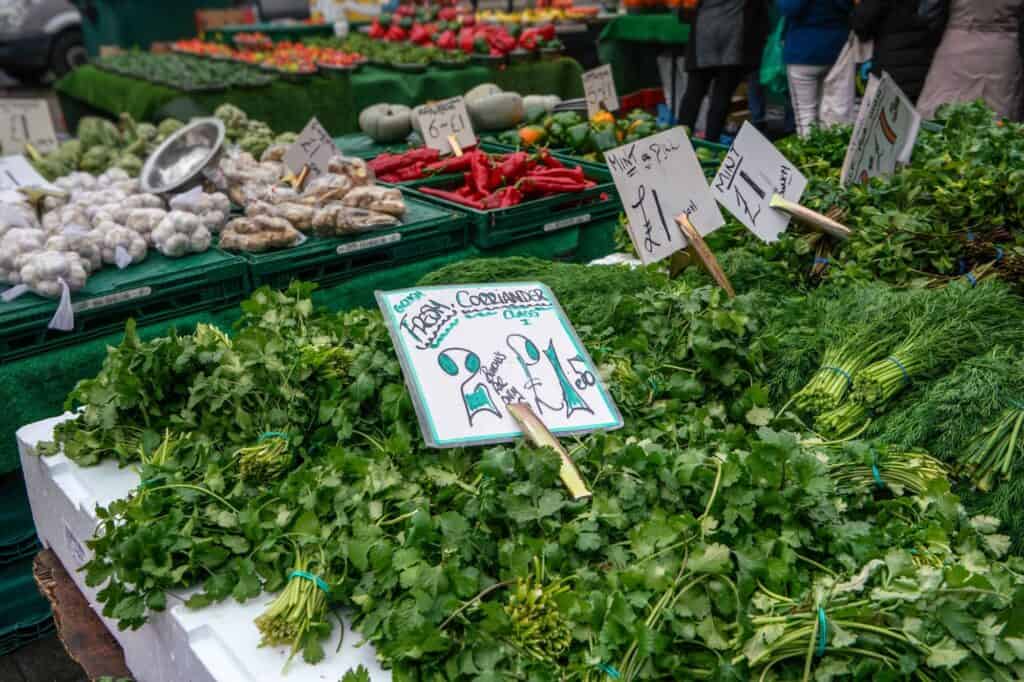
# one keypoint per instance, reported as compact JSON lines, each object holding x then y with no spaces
{"x":313,"y":578}
{"x":609,"y":671}
{"x":841,"y":372}
{"x":272,"y":434}
{"x":906,"y":375}
{"x":822,"y":632}
{"x":874,"y":470}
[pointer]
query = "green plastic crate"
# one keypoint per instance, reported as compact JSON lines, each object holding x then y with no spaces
{"x":362,"y":146}
{"x":17,"y":529}
{"x":26,"y":613}
{"x":537,"y":217}
{"x":157,"y":289}
{"x":426,"y":231}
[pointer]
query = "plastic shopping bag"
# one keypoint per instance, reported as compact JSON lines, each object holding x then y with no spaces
{"x":773,"y":68}
{"x":839,"y":92}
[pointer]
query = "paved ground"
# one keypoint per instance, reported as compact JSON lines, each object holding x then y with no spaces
{"x":41,"y":661}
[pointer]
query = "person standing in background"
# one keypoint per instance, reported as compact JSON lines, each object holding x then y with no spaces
{"x":816,"y":31}
{"x":906,"y":34}
{"x":978,"y":57}
{"x":726,"y":40}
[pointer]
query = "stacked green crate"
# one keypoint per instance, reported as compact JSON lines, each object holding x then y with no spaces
{"x":25,"y":615}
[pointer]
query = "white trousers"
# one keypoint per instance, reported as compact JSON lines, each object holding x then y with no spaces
{"x":805,"y":89}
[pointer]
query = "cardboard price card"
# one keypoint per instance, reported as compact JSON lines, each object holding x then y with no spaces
{"x":884,"y":134}
{"x":470,"y":351}
{"x":658,"y":178}
{"x":599,"y":90}
{"x":17,"y":173}
{"x":313,"y":148}
{"x":442,"y":120}
{"x":752,"y":171}
{"x":26,"y":121}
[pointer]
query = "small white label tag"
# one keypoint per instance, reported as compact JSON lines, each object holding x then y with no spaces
{"x":74,"y":546}
{"x":599,"y":90}
{"x":567,"y":222}
{"x":370,"y":243}
{"x":111,"y":299}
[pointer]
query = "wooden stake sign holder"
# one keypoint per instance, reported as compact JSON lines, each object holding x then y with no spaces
{"x":810,"y":218}
{"x":538,"y":434}
{"x":456,"y":149}
{"x":699,"y":248}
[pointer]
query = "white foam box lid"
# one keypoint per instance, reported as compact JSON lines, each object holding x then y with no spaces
{"x":218,"y":643}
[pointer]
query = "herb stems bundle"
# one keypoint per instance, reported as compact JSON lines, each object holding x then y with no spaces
{"x":899,"y":470}
{"x":299,"y":614}
{"x":266,"y":460}
{"x":829,"y":385}
{"x":994,"y":450}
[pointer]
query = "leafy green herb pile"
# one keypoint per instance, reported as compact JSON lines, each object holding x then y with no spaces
{"x":722,"y":542}
{"x":184,"y":72}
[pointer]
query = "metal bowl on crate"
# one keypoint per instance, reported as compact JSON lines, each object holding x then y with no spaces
{"x":178,"y":163}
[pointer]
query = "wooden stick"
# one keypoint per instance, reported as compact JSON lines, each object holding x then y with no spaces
{"x":538,"y":434}
{"x":456,"y":149}
{"x":704,"y":253}
{"x":812,"y":219}
{"x":298,"y":180}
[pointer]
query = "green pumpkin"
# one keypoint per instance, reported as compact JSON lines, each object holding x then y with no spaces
{"x":490,"y":108}
{"x":386,"y":122}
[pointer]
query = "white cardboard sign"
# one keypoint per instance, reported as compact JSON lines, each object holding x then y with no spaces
{"x":468,"y":351}
{"x":752,"y":171}
{"x":26,"y":121}
{"x":440,"y":120}
{"x":314,"y":147}
{"x":16,"y":172}
{"x":599,"y":90}
{"x":884,"y":134}
{"x":658,"y":178}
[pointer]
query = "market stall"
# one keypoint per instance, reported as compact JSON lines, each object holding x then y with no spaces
{"x":632,"y":44}
{"x":335,"y":101}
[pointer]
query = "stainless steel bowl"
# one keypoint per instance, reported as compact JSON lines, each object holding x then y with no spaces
{"x":177,"y":164}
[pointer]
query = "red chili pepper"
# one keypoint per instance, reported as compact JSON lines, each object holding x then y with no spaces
{"x":513,"y":167}
{"x":544,"y":156}
{"x":452,"y":165}
{"x":413,"y":171}
{"x":542,"y":185}
{"x":503,"y":198}
{"x":386,"y":163}
{"x":571,"y":174}
{"x":547,"y":31}
{"x":452,"y":196}
{"x":480,"y":173}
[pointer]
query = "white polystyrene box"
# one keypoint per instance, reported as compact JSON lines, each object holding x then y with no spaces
{"x":218,"y":643}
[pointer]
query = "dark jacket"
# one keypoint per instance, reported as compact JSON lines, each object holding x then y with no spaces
{"x":816,"y":30}
{"x":727,"y":33}
{"x":905,"y":42}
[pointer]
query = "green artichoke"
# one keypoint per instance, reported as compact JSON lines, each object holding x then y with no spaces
{"x":232,"y":116}
{"x":97,"y":132}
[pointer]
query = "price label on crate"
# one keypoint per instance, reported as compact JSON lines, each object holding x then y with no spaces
{"x":17,"y":173}
{"x":752,"y":171}
{"x":312,"y":149}
{"x":469,"y":352}
{"x":884,"y":134}
{"x":442,"y":121}
{"x":659,"y":178}
{"x":26,"y":121}
{"x":599,"y":90}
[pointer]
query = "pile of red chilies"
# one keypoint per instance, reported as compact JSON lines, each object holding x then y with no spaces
{"x":488,"y":180}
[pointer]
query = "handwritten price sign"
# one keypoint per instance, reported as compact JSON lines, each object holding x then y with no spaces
{"x":658,"y":178}
{"x":26,"y":121}
{"x":599,"y":90}
{"x":442,"y":120}
{"x":750,"y":174}
{"x":314,"y":147}
{"x":468,"y":352}
{"x":884,"y":134}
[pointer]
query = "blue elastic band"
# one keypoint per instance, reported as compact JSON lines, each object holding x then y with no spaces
{"x":874,"y":470}
{"x":272,"y":434}
{"x":149,"y":481}
{"x":906,"y":375}
{"x":821,"y":260}
{"x":822,"y":631}
{"x":609,"y":670}
{"x":972,"y":279}
{"x":961,"y":266}
{"x":970,"y":236}
{"x":999,"y":254}
{"x":315,"y":579}
{"x":841,"y":372}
